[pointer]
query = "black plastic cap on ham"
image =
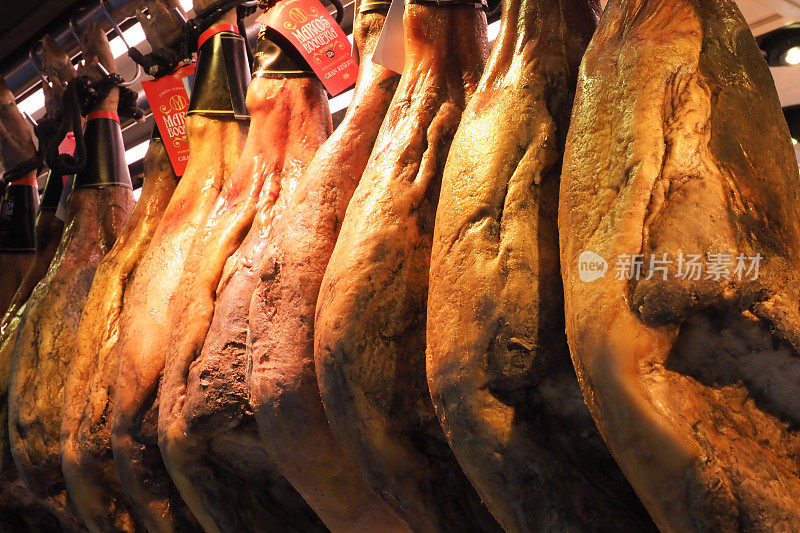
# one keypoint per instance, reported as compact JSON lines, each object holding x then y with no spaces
{"x":156,"y":133}
{"x":370,"y":6}
{"x":52,"y":192}
{"x":221,"y":78}
{"x":477,"y":4}
{"x":18,"y":218}
{"x":105,"y":165}
{"x":276,"y":57}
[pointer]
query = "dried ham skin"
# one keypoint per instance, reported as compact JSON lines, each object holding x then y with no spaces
{"x":369,"y":337}
{"x":284,"y":391}
{"x":498,"y":365}
{"x":87,"y":461}
{"x":678,"y":148}
{"x":207,"y":433}
{"x":18,"y":505}
{"x":46,"y":342}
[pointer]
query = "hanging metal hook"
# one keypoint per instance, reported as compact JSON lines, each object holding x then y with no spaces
{"x":179,"y":14}
{"x":30,"y":120}
{"x":37,"y":64}
{"x":118,"y":30}
{"x":73,"y":26}
{"x":339,"y":10}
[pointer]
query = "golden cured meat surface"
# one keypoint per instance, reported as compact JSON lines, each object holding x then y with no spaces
{"x":370,"y":318}
{"x":498,"y":365}
{"x":283,"y":384}
{"x":87,"y":462}
{"x":215,"y":145}
{"x":207,"y":433}
{"x":678,"y":148}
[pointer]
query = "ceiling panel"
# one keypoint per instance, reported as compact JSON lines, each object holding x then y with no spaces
{"x":22,"y":20}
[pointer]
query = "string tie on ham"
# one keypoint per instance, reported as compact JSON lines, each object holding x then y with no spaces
{"x":205,"y":18}
{"x":81,"y":95}
{"x":166,"y":60}
{"x":34,"y":163}
{"x":69,"y":119}
{"x":91,"y":93}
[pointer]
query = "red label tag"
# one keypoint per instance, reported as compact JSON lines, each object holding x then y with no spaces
{"x":67,"y":146}
{"x":169,"y":101}
{"x":317,"y":36}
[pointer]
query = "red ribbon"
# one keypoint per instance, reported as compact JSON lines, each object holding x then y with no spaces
{"x":25,"y":180}
{"x":102,"y":114}
{"x":213,"y":30}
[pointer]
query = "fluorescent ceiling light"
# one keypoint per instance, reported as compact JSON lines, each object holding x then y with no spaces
{"x":134,"y":35}
{"x":341,"y":101}
{"x":33,"y":103}
{"x":492,"y":31}
{"x":137,"y":152}
{"x":792,"y":56}
{"x":186,"y":5}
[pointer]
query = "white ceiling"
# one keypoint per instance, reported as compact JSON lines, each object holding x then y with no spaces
{"x":767,"y":15}
{"x":764,"y":16}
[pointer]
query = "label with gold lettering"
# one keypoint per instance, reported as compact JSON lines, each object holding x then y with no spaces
{"x":169,"y":101}
{"x":317,"y":36}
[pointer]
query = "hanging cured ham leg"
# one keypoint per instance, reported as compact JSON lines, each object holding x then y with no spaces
{"x":283,"y":384}
{"x":20,"y":199}
{"x":96,"y":212}
{"x":370,"y":316}
{"x":45,"y":238}
{"x":48,"y":231}
{"x":499,"y":369}
{"x":680,"y":175}
{"x":20,"y":510}
{"x":216,"y":127}
{"x":49,"y":226}
{"x":206,"y":430}
{"x":88,"y":465}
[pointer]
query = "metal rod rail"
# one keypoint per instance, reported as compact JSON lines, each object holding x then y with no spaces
{"x":22,"y":77}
